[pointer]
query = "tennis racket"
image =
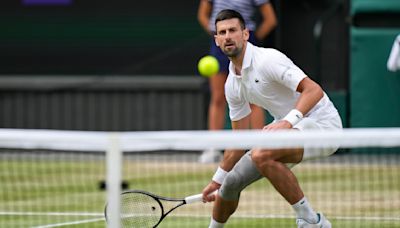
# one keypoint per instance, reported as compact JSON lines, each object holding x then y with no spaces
{"x":145,"y":210}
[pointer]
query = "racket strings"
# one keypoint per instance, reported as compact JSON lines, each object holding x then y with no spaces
{"x":139,"y":210}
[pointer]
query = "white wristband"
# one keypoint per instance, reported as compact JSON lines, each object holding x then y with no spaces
{"x":219,"y":175}
{"x":293,"y":117}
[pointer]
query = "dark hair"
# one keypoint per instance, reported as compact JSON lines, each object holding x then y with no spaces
{"x":230,"y":14}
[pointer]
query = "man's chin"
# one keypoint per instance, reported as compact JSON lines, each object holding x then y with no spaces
{"x":230,"y":54}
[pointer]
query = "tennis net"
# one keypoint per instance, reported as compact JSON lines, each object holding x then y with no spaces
{"x":65,"y":178}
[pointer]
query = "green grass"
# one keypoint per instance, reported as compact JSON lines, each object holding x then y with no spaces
{"x":350,"y":194}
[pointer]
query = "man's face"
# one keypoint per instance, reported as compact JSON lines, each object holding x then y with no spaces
{"x":230,"y":37}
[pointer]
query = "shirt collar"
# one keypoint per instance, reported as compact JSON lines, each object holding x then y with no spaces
{"x":247,"y":56}
{"x":246,"y":59}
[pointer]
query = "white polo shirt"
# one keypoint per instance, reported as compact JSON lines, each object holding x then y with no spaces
{"x":269,"y":79}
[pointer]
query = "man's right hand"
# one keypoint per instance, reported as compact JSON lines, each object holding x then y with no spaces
{"x":208,"y":190}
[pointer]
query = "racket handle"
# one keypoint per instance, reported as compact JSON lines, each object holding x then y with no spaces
{"x":196,"y":198}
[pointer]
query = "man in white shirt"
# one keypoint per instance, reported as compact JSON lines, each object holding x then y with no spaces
{"x":269,"y":79}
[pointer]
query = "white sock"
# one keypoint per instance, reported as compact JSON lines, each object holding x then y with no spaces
{"x":215,"y":224}
{"x":304,"y":211}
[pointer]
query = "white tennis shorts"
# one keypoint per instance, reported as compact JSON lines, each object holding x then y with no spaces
{"x":334,"y":123}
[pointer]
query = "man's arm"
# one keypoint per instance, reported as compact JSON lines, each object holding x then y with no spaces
{"x":269,"y":21}
{"x":310,"y":94}
{"x":231,"y":157}
{"x":203,"y":14}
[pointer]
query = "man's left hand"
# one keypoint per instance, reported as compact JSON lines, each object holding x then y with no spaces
{"x":282,"y":124}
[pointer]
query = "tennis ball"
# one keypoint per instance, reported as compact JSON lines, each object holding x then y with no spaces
{"x":208,"y":66}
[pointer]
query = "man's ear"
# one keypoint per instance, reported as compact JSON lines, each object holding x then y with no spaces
{"x":216,"y":41}
{"x":246,"y":34}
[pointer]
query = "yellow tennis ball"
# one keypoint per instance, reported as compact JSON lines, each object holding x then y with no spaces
{"x":208,"y":66}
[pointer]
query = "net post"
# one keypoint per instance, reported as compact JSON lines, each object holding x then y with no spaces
{"x":114,"y":176}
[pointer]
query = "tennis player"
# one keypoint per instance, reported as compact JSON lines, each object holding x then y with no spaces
{"x":267,"y":78}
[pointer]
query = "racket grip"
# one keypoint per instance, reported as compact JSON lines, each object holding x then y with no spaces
{"x":196,"y":198}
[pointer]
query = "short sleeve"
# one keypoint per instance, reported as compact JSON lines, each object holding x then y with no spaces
{"x":238,"y":111}
{"x":260,"y":2}
{"x":282,"y":70}
{"x":238,"y":107}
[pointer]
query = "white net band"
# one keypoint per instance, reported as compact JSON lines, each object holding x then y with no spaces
{"x":198,"y":140}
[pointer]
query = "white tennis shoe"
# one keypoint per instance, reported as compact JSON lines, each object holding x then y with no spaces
{"x":322,"y":223}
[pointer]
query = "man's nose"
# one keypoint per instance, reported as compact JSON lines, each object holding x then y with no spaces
{"x":227,"y":35}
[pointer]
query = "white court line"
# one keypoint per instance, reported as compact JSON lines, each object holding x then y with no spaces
{"x":191,"y":215}
{"x":69,"y":223}
{"x":370,"y":218}
{"x":52,"y":213}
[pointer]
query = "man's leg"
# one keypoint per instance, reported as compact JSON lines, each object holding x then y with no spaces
{"x":217,"y":107}
{"x":223,"y":209}
{"x":243,"y":174}
{"x":216,"y":114}
{"x":272,"y":165}
{"x":257,"y":117}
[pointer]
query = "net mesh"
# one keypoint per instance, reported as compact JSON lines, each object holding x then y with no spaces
{"x":359,"y":186}
{"x":40,"y":188}
{"x":352,"y":189}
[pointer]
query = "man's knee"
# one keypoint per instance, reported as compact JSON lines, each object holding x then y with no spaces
{"x":232,"y":186}
{"x":243,"y":174}
{"x":262,"y":158}
{"x":267,"y":161}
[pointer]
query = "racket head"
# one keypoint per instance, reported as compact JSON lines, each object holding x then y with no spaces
{"x":140,"y":209}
